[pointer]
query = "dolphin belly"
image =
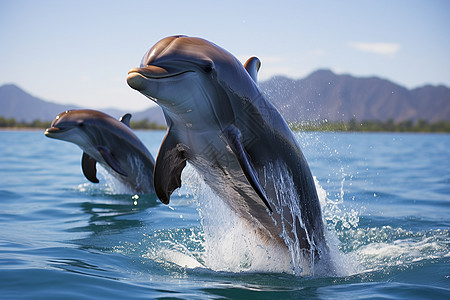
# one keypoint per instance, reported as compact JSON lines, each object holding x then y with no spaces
{"x":222,"y":172}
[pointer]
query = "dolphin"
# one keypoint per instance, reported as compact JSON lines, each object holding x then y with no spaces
{"x":221,"y":123}
{"x":109,"y":142}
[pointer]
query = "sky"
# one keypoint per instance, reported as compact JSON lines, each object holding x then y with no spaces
{"x":79,"y":52}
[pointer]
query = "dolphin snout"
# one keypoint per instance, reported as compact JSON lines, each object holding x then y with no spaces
{"x":137,"y":76}
{"x":49,"y":131}
{"x":135,"y":80}
{"x":52,"y":131}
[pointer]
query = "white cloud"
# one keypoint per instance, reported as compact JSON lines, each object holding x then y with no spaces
{"x":317,"y":52}
{"x":377,"y":48}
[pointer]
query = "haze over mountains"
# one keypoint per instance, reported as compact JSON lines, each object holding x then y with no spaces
{"x":321,"y":95}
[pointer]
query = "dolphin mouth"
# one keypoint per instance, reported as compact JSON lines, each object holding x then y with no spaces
{"x":56,"y":130}
{"x":137,"y":77}
{"x":155,"y":72}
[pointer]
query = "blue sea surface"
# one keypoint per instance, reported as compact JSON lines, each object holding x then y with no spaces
{"x":385,"y":198}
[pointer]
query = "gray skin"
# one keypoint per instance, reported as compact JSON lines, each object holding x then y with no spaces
{"x":220,"y":122}
{"x":109,"y":142}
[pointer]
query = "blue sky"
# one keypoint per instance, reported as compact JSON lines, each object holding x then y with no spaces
{"x":79,"y":52}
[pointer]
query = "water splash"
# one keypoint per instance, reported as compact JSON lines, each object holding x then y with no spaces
{"x":111,"y":185}
{"x":231,"y":245}
{"x":335,"y":216}
{"x":286,"y":204}
{"x":114,"y":186}
{"x":337,"y":220}
{"x":229,"y":242}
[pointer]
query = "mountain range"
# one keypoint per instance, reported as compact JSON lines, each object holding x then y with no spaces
{"x":319,"y":96}
{"x":325,"y":95}
{"x":20,"y":105}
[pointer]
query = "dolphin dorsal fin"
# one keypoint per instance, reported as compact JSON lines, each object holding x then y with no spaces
{"x":125,"y":119}
{"x":252,"y":66}
{"x":88,"y":165}
{"x":233,"y":137}
{"x":170,"y":162}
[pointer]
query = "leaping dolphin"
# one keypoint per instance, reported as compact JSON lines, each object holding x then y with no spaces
{"x":109,"y":142}
{"x":221,"y":123}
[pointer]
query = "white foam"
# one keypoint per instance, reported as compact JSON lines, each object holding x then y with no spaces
{"x":389,"y":246}
{"x":180,"y":259}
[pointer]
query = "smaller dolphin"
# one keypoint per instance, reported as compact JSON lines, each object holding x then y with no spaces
{"x":109,"y":142}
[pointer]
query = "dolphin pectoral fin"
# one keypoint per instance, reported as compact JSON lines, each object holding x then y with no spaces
{"x":88,"y":165}
{"x":234,"y":139}
{"x":125,"y":119}
{"x":111,"y":160}
{"x":170,"y":162}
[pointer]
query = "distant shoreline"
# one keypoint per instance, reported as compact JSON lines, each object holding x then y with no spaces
{"x":12,"y":124}
{"x":420,"y":126}
{"x":43,"y":129}
{"x":21,"y":129}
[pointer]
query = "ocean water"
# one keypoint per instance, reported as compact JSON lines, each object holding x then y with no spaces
{"x":385,"y":199}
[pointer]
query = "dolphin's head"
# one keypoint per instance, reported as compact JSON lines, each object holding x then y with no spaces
{"x":179,"y":70}
{"x":71,"y":125}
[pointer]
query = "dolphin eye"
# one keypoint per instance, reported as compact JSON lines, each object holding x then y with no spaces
{"x":80,"y":123}
{"x":207,"y":68}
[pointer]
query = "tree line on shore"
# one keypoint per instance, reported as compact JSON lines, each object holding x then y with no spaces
{"x":351,"y":126}
{"x":373,"y":126}
{"x":38,"y":124}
